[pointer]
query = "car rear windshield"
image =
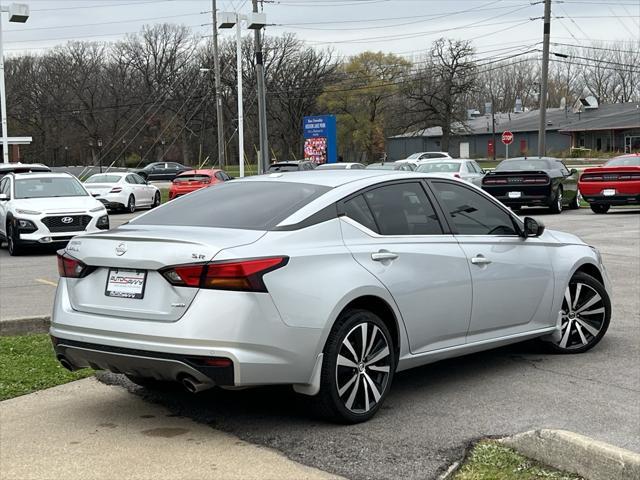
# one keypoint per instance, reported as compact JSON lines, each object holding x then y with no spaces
{"x":103,"y":179}
{"x":624,"y":162}
{"x":439,"y":167}
{"x":192,"y":178}
{"x":49,"y":187}
{"x":250,"y":205}
{"x":524,"y":164}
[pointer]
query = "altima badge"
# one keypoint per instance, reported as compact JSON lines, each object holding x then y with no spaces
{"x":121,"y":249}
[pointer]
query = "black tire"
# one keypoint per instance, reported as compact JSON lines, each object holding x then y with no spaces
{"x":599,"y":208}
{"x":131,"y":204}
{"x":153,"y":384}
{"x":579,"y":327}
{"x":156,"y":200}
{"x":344,"y":408}
{"x":13,"y":242}
{"x":575,"y":203}
{"x":556,"y":204}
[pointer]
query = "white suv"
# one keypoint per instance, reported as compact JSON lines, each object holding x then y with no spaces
{"x":46,"y":208}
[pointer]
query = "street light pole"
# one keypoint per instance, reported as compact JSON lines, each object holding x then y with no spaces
{"x":18,"y":12}
{"x":240,"y":107}
{"x":218,"y":83}
{"x":263,"y":161}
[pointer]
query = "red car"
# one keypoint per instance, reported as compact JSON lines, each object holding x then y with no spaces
{"x":193,"y":180}
{"x":617,"y":182}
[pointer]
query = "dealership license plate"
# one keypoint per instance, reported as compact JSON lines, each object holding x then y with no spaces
{"x":126,"y":283}
{"x":609,"y":192}
{"x":514,"y":194}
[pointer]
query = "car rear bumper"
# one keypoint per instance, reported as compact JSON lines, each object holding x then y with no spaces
{"x":525,"y":200}
{"x":141,"y":363}
{"x":245,"y":328}
{"x":618,"y":199}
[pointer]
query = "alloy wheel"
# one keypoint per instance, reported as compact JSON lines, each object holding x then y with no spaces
{"x":583,"y":316}
{"x":363,"y":367}
{"x":132,"y":204}
{"x":559,"y":200}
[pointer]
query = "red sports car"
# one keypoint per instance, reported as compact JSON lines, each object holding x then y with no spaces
{"x":617,"y":182}
{"x":193,"y":180}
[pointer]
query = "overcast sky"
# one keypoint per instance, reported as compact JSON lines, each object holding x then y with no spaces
{"x":348,"y":26}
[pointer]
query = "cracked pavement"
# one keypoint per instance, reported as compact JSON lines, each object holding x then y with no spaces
{"x":434,"y":412}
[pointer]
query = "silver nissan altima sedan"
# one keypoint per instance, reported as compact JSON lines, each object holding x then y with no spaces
{"x":329,"y":281}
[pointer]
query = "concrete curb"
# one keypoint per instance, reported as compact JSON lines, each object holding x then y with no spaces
{"x":572,"y":452}
{"x":22,"y":326}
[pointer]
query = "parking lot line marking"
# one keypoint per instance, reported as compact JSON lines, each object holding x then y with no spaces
{"x":46,"y":282}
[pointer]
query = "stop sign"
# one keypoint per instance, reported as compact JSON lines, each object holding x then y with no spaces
{"x":507,"y":138}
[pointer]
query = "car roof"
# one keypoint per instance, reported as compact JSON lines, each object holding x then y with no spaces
{"x":41,"y":175}
{"x":121,"y":174}
{"x":327,"y":178}
{"x":11,"y":166}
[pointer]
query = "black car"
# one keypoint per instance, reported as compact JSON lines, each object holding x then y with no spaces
{"x":291,"y":166}
{"x":533,"y":182}
{"x":162,"y":170}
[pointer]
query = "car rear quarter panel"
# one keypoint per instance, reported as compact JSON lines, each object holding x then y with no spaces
{"x":320,"y":279}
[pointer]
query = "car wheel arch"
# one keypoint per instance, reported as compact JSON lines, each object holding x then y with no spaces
{"x":378,"y":305}
{"x":591,"y":270}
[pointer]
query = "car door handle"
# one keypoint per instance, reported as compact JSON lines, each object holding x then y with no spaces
{"x":382,"y":256}
{"x":480,"y":260}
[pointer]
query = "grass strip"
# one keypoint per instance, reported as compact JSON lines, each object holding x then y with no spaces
{"x":28,"y":364}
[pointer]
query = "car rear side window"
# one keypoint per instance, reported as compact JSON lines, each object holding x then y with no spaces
{"x":358,"y":210}
{"x":252,"y":205}
{"x":403,"y":209}
{"x":471,"y":212}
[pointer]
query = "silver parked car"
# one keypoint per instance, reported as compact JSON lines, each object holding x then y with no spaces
{"x":327,"y":281}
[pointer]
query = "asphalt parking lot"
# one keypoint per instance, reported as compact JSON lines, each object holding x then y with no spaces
{"x":434,"y":412}
{"x":28,"y":282}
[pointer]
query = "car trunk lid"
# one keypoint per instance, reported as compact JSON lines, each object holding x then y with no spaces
{"x":137,"y":253}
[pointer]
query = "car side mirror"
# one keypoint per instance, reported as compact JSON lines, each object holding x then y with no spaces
{"x":532,"y":228}
{"x":573,"y":171}
{"x":3,"y":197}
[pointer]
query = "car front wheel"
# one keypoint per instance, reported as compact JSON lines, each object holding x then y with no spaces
{"x":358,"y":367}
{"x":13,"y":241}
{"x":585,"y":315}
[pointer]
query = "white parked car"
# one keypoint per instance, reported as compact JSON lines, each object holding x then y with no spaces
{"x":122,"y":191}
{"x":328,"y":281}
{"x":46,"y":208}
{"x":417,"y":157}
{"x":340,"y":166}
{"x":467,"y":170}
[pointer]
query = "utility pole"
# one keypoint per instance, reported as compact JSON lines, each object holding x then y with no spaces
{"x":493,"y":129}
{"x":216,"y":71}
{"x":542,"y":147}
{"x":263,"y":161}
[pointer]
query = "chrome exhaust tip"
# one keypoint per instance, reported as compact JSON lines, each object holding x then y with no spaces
{"x":65,"y":363}
{"x":192,"y":385}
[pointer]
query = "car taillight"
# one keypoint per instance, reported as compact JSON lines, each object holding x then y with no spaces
{"x":115,"y":190}
{"x":494,"y":181}
{"x":238,"y":275}
{"x":70,"y":267}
